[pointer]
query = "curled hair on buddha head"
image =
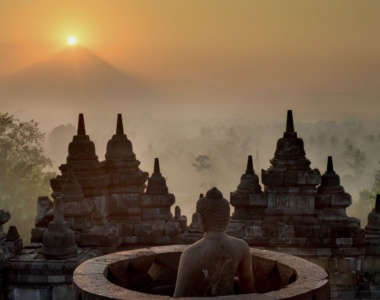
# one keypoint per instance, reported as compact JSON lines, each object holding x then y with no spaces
{"x":214,"y":211}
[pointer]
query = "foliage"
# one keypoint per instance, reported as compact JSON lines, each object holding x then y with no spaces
{"x":22,"y":176}
{"x":202,"y":162}
{"x":58,"y":139}
{"x":357,"y":158}
{"x":367,"y":198}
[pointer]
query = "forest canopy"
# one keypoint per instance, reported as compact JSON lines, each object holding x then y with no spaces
{"x":22,"y":176}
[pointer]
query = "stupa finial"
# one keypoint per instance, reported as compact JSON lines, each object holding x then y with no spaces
{"x":119,"y":126}
{"x":81,"y":127}
{"x":377,"y":205}
{"x":156,"y":166}
{"x":250,"y":166}
{"x":289,"y":122}
{"x":330,"y":166}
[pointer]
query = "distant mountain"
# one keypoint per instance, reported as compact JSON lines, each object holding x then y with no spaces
{"x":75,"y":77}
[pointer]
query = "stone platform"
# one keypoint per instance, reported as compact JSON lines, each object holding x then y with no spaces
{"x":150,"y":273}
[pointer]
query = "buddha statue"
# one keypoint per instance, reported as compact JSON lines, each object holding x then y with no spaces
{"x":209,"y":266}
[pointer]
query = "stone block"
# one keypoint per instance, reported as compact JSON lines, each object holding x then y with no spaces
{"x":323,"y":262}
{"x":24,"y":293}
{"x":332,"y":265}
{"x":343,"y":241}
{"x":236,"y":230}
{"x":304,"y":230}
{"x":307,"y":251}
{"x":172,"y":228}
{"x":158,"y":228}
{"x":131,"y":200}
{"x":177,"y":240}
{"x":287,"y":241}
{"x":142,"y":229}
{"x":324,"y":251}
{"x":370,"y":263}
{"x":128,"y":229}
{"x":270,"y":229}
{"x":154,"y":240}
{"x":253,"y":231}
{"x":163,"y":200}
{"x":286,"y":231}
{"x":57,"y":279}
{"x":37,"y":234}
{"x":342,"y":280}
{"x":44,"y":212}
{"x":146,"y":200}
{"x":100,"y":236}
{"x":156,"y":213}
{"x":346,"y":265}
{"x":320,"y":231}
{"x":289,"y":250}
{"x":130,"y":240}
{"x":257,"y":241}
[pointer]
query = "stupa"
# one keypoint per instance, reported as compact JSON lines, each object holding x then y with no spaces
{"x":89,"y":171}
{"x":126,"y":180}
{"x":248,"y":200}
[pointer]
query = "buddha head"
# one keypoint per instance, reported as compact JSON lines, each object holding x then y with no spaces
{"x":213,"y":211}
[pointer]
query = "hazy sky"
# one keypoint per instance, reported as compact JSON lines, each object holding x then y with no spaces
{"x":280,"y":46}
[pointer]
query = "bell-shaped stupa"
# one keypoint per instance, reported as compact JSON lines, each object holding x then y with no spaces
{"x":248,"y":200}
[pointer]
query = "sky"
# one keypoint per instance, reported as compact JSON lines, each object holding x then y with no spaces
{"x":293,"y":48}
{"x":320,"y":58}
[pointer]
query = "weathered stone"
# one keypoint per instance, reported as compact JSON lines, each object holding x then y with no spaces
{"x":37,"y":234}
{"x":59,"y":239}
{"x":78,"y":211}
{"x":89,"y":172}
{"x":142,"y":229}
{"x":217,"y":268}
{"x":101,"y":236}
{"x":331,"y":200}
{"x":44,"y":212}
{"x":157,"y":183}
{"x":373,"y":226}
{"x":156,"y":213}
{"x":172,"y":228}
{"x":158,"y":228}
{"x":12,"y":234}
{"x":121,"y":164}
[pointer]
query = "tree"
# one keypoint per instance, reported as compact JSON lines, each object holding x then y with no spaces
{"x":22,"y":175}
{"x":357,"y":159}
{"x":202,"y":163}
{"x":58,"y":140}
{"x":367,"y":199}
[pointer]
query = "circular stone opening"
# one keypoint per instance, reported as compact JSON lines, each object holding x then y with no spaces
{"x":151,"y":273}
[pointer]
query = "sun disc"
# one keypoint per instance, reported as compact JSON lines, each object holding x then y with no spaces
{"x":71,"y":40}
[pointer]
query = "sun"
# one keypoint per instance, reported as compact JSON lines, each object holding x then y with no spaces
{"x":71,"y":40}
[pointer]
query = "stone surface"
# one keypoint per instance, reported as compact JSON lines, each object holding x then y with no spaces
{"x":44,"y":211}
{"x":292,"y":214}
{"x":290,"y":168}
{"x":88,"y":170}
{"x":373,"y":225}
{"x":331,"y":200}
{"x":248,"y":200}
{"x":156,"y":183}
{"x":121,"y":164}
{"x":59,"y":239}
{"x":152,"y":276}
{"x":77,"y":211}
{"x":208,"y":267}
{"x":4,"y":218}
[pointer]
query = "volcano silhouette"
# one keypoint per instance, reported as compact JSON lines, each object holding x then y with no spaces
{"x":74,"y":77}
